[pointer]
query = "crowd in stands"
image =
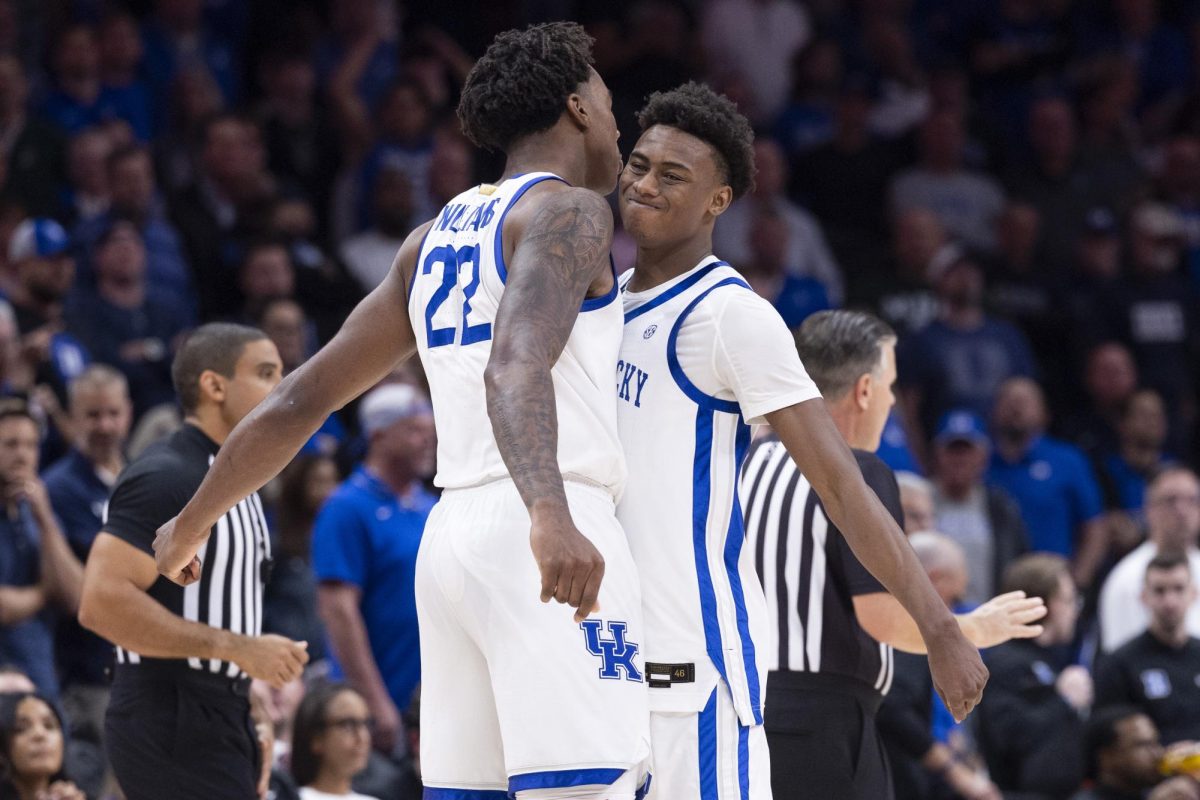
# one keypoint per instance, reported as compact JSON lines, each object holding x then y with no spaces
{"x":1013,"y":185}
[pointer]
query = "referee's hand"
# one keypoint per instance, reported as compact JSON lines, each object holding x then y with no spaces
{"x":271,"y":658}
{"x":176,"y":559}
{"x":957,"y":670}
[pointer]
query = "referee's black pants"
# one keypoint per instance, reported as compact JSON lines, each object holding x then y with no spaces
{"x":172,"y":735}
{"x":823,"y":741}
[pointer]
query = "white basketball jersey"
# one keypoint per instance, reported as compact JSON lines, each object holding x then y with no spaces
{"x":704,"y":607}
{"x":453,"y":298}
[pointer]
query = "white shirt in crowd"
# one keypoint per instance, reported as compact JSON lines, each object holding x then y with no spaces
{"x":368,"y":257}
{"x":308,"y":793}
{"x":1122,"y":615}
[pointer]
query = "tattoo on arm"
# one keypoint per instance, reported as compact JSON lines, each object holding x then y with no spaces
{"x":562,"y":252}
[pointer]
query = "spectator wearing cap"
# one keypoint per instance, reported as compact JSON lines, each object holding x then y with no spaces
{"x":364,"y":554}
{"x":961,"y":358}
{"x":983,"y":520}
{"x":126,"y":323}
{"x":45,"y":272}
{"x":1051,"y":481}
{"x":31,"y":149}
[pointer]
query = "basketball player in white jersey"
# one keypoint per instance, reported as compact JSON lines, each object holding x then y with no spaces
{"x":510,"y":299}
{"x":702,"y":358}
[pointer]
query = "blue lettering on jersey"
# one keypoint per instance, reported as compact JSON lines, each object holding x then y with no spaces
{"x":615,"y":654}
{"x":477,"y":217}
{"x":630,"y":382}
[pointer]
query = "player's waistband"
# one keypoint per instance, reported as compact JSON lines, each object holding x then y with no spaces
{"x":570,"y":479}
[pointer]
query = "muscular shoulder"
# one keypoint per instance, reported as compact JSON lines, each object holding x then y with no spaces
{"x":554,"y":207}
{"x":405,"y":263}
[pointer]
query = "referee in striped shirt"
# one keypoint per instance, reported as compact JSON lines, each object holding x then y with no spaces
{"x":833,"y":623}
{"x":179,"y":725}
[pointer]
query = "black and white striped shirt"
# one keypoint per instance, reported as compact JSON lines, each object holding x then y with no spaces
{"x":808,"y":572}
{"x":229,"y":594}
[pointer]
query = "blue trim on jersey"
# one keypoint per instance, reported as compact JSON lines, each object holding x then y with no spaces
{"x":685,"y":385}
{"x":501,"y":267}
{"x":438,"y":793}
{"x":706,"y":740}
{"x":701,"y":496}
{"x":594,"y":303}
{"x":417,"y":266}
{"x":674,"y":291}
{"x":744,"y":760}
{"x":644,"y":789}
{"x":734,"y":539}
{"x":561,"y":778}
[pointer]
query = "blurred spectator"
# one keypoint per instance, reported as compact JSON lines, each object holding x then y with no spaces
{"x":808,"y":119}
{"x":290,"y":601}
{"x":1178,"y":182}
{"x":916,"y":498}
{"x":1152,"y":310}
{"x":1122,"y":750}
{"x":966,"y":202}
{"x":266,"y":272}
{"x":919,"y":249}
{"x":451,"y":169}
{"x":982,"y":520}
{"x":844,"y":182}
{"x":78,"y":485}
{"x":283,"y":321}
{"x":369,"y":255}
{"x":364,"y":555}
{"x":904,"y":97}
{"x":134,"y":197}
{"x":45,"y":272}
{"x":1095,"y":271}
{"x":805,"y":253}
{"x":657,"y":57}
{"x":31,"y":149}
{"x":194,"y":99}
{"x":360,"y":29}
{"x":1031,"y":717}
{"x":794,"y":297}
{"x":331,"y":743}
{"x":1107,"y":99}
{"x":37,"y":568}
{"x":1156,"y":671}
{"x":1110,"y":380}
{"x":121,"y":53}
{"x":86,"y":197}
{"x":33,"y":742}
{"x":961,"y":358}
{"x":80,"y":99}
{"x":1052,"y":481}
{"x":214,"y":213}
{"x":177,"y":38}
{"x":755,"y":41}
{"x":127,"y":324}
{"x":1125,"y":471}
{"x":1172,"y":525}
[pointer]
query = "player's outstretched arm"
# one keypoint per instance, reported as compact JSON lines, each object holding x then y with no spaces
{"x":374,"y":338}
{"x":558,"y":254}
{"x":814,"y":443}
{"x":1004,"y":617}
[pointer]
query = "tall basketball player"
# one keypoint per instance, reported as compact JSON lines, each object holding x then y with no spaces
{"x":510,"y":299}
{"x":702,"y":358}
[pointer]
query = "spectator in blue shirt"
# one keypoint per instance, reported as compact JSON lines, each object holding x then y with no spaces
{"x":79,"y":484}
{"x":80,"y":99}
{"x":1126,"y":470}
{"x":175,"y":38}
{"x":1051,"y":480}
{"x":364,"y":554}
{"x":795,"y":297}
{"x":37,"y":568}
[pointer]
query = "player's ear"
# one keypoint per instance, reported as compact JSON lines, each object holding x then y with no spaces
{"x":577,"y":110}
{"x":721,"y":200}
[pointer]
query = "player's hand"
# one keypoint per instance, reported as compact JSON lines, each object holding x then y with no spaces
{"x":271,"y":658}
{"x":1007,"y":616}
{"x":571,"y":566}
{"x":176,"y":559}
{"x":1074,"y":685}
{"x":61,"y":790}
{"x":957,"y":670}
{"x":388,"y":725}
{"x":31,"y":490}
{"x":971,"y":785}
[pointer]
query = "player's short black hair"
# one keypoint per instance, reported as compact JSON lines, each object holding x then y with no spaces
{"x":713,"y":118}
{"x":216,"y":346}
{"x":521,"y":84}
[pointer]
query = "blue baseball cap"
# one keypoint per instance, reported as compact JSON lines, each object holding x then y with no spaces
{"x":37,"y":238}
{"x":962,"y":425}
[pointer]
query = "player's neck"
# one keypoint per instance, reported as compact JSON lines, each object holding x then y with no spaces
{"x":657,"y":265}
{"x":547,"y":152}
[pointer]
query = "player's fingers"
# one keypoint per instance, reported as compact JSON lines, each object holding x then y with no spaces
{"x":578,"y":580}
{"x":1008,"y":596}
{"x":1030,"y":614}
{"x":1028,"y":632}
{"x":562,"y":589}
{"x":549,"y":579}
{"x":591,"y":594}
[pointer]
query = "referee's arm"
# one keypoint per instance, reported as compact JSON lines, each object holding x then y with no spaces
{"x":117,"y":607}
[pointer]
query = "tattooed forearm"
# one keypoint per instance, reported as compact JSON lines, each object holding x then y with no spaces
{"x":562,"y":252}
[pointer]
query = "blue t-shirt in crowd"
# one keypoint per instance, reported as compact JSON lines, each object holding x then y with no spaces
{"x":128,"y":103}
{"x":800,"y":297}
{"x":27,"y":645}
{"x":367,"y":536}
{"x":893,"y":447}
{"x":1127,"y":485}
{"x":78,"y":495}
{"x":1056,"y":490}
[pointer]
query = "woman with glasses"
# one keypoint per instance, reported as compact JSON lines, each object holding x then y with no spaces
{"x":331,"y":743}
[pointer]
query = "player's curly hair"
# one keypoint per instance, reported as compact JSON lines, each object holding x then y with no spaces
{"x":521,"y":84}
{"x":696,"y":109}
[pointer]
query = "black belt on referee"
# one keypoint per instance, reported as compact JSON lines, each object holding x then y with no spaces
{"x":792,"y":681}
{"x":178,"y":672}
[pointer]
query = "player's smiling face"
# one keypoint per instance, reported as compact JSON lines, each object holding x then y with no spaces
{"x":672,"y":188}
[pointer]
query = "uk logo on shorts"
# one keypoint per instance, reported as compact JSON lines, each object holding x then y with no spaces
{"x":615,"y":653}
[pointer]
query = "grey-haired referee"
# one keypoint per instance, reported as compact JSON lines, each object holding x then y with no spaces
{"x":179,"y":724}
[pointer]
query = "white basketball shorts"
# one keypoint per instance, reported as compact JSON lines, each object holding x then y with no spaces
{"x":517,"y":697}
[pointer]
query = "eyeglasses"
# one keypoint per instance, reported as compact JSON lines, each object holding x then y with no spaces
{"x":352,"y":725}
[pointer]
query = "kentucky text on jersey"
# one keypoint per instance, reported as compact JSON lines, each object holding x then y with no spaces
{"x":630,"y":382}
